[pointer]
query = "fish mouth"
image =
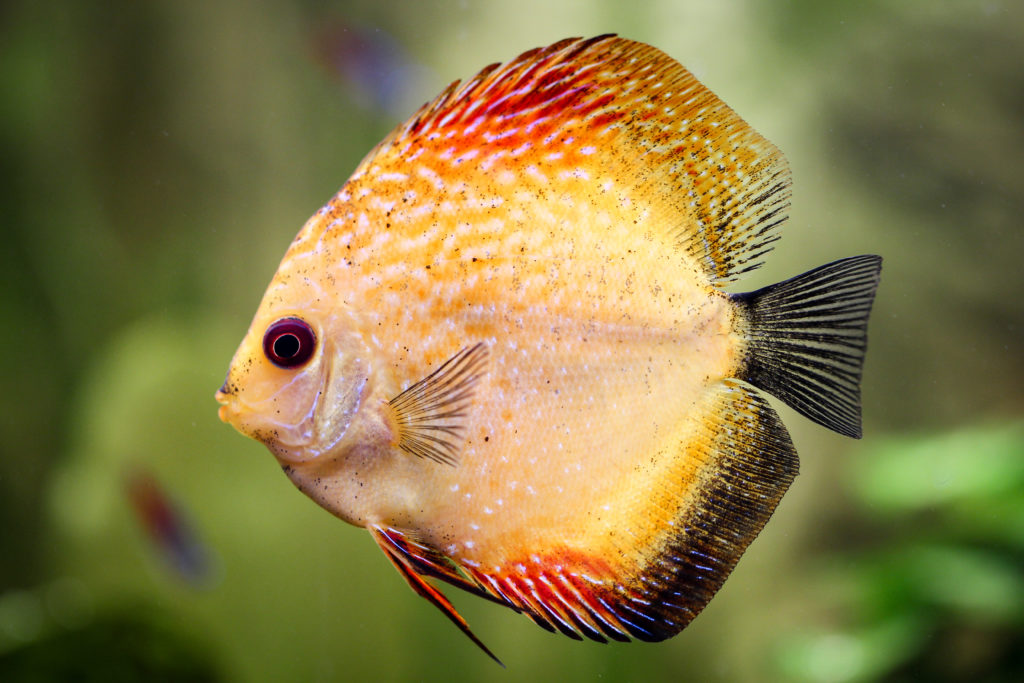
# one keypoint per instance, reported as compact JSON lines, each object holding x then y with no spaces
{"x":290,"y":444}
{"x":295,"y":430}
{"x":225,"y":401}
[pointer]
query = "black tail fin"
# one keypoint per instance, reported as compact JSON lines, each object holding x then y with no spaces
{"x":807,"y":337}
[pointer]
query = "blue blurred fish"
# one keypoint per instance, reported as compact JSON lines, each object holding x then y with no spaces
{"x":375,"y":67}
{"x":167,"y":526}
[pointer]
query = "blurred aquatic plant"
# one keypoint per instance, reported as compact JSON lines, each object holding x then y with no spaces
{"x":937,"y":590}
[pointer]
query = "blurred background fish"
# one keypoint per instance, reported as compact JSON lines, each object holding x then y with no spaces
{"x":169,"y":531}
{"x":376,"y":70}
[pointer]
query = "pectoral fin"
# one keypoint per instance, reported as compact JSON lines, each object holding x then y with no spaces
{"x":431,"y":413}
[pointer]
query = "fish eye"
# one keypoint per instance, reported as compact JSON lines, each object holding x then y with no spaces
{"x":289,"y":343}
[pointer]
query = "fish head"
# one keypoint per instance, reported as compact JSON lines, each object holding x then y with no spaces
{"x":298,"y":378}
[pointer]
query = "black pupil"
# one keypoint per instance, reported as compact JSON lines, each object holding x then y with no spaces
{"x":289,"y":342}
{"x":286,"y":346}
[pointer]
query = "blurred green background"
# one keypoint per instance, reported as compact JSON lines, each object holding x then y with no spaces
{"x":157,"y":158}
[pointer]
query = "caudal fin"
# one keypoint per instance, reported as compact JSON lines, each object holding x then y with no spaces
{"x":807,"y":337}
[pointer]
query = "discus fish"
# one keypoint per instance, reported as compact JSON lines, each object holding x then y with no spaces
{"x":503,"y":348}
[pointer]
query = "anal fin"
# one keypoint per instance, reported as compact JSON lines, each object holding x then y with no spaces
{"x":748,"y":464}
{"x":735,"y":460}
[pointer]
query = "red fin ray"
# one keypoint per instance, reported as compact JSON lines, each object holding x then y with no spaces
{"x":411,"y":566}
{"x":427,"y":561}
{"x":536,"y":78}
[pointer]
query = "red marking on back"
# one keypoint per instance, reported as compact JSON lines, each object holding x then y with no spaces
{"x":554,"y":84}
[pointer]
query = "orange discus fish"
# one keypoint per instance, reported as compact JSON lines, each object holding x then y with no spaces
{"x":502,"y":347}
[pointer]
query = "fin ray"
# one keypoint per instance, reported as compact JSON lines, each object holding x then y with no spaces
{"x":807,"y":338}
{"x":429,"y":562}
{"x":716,"y":187}
{"x":430,"y":413}
{"x":408,"y":569}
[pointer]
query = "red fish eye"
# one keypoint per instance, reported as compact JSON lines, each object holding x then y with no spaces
{"x":289,"y":342}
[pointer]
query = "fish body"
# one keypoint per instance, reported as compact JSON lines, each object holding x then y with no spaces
{"x":503,"y":347}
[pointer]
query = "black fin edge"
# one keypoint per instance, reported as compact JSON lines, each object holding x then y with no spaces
{"x":807,"y":337}
{"x":746,"y":463}
{"x":754,"y":462}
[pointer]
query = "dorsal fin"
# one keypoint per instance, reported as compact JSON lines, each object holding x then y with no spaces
{"x":717,"y":187}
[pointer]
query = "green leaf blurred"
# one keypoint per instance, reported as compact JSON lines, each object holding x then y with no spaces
{"x":973,"y":466}
{"x":938,"y":593}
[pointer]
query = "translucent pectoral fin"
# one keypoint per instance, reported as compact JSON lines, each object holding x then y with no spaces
{"x":431,"y":413}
